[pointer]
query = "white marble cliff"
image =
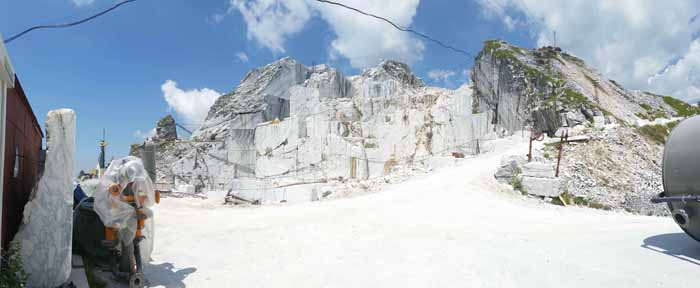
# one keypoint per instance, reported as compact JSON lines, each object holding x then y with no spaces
{"x":288,"y":123}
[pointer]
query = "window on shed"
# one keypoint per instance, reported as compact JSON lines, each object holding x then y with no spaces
{"x":16,"y":166}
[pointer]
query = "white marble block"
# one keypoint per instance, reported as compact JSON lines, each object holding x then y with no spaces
{"x":45,"y":235}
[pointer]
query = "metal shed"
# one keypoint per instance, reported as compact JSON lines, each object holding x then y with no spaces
{"x":23,"y":159}
{"x":20,"y":149}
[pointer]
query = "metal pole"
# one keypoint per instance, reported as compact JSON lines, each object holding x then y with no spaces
{"x":564,"y":138}
{"x":353,"y":168}
{"x":529,"y":151}
{"x":677,"y":198}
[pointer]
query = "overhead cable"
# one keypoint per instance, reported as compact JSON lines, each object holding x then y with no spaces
{"x":66,"y":25}
{"x":409,"y":30}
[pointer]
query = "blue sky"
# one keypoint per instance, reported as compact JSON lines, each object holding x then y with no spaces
{"x":111,"y":71}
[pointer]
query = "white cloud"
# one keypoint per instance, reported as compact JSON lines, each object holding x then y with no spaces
{"x":216,"y":18}
{"x":627,"y":40}
{"x":362,"y":40}
{"x":80,"y":3}
{"x":467,"y":74}
{"x":682,"y":78}
{"x":449,"y":78}
{"x":193,"y":105}
{"x":271,"y":22}
{"x":143,"y":135}
{"x":510,"y":22}
{"x":366,"y":41}
{"x":494,"y":8}
{"x":242,"y":57}
{"x":440,"y":75}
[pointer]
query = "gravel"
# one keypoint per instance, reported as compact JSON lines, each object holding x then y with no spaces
{"x":617,"y":168}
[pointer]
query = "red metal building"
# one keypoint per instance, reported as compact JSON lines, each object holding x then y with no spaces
{"x":23,"y":159}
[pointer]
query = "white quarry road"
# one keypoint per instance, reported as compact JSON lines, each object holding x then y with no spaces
{"x":455,"y":227}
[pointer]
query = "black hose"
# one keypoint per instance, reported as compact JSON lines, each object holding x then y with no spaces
{"x":681,"y":198}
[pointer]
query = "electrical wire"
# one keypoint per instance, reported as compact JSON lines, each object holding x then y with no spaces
{"x":409,"y":30}
{"x":66,"y":25}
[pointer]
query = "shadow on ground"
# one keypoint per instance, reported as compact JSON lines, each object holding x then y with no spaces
{"x":677,"y":245}
{"x":167,"y":275}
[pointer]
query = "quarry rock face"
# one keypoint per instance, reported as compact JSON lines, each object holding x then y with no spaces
{"x":287,"y":130}
{"x":263,"y":95}
{"x":615,"y":166}
{"x":286,"y":123}
{"x":45,"y":235}
{"x":538,"y":88}
{"x":166,"y":129}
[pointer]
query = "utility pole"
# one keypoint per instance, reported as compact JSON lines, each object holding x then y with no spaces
{"x":555,"y":38}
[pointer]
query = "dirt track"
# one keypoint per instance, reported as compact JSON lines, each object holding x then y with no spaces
{"x":453,"y":228}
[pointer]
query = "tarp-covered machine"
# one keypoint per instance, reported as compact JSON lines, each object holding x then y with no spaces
{"x":681,"y":176}
{"x":124,"y":230}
